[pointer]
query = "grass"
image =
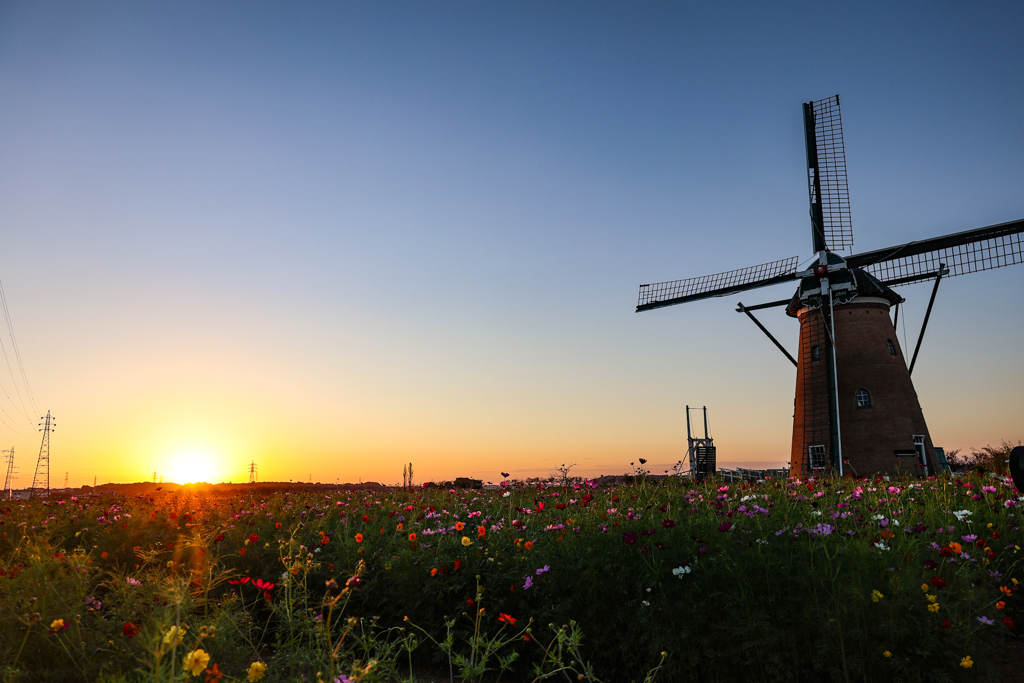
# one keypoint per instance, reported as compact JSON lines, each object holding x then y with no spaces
{"x":779,"y":580}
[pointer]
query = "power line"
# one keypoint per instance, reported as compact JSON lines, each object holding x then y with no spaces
{"x":17,"y":351}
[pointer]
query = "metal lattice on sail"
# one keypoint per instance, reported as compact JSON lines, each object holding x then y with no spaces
{"x":720,"y":284}
{"x":972,"y":251}
{"x":830,"y":167}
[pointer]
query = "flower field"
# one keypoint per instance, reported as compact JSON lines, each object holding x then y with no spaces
{"x":832,"y":579}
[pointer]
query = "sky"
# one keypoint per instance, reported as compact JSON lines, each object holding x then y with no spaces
{"x":334,"y":238}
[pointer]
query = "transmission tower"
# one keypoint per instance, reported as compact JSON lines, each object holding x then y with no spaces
{"x":252,"y":472}
{"x":66,"y":479}
{"x":41,"y":482}
{"x":8,"y":485}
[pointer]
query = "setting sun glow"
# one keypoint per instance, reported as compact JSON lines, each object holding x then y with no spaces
{"x":191,"y":465}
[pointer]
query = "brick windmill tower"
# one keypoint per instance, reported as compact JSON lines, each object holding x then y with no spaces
{"x":856,"y":410}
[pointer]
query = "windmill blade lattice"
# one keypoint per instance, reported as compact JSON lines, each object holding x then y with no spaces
{"x":675,"y":292}
{"x":972,"y":251}
{"x":827,"y":174}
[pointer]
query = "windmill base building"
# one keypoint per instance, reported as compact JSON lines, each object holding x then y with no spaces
{"x":881,"y":427}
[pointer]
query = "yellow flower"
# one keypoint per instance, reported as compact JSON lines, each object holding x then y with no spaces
{"x":175,"y":635}
{"x":934,"y":607}
{"x":932,"y":598}
{"x":466,"y":541}
{"x":876,"y":596}
{"x":887,"y":654}
{"x":924,"y":587}
{"x":967,"y":662}
{"x":256,"y":671}
{"x":196,"y":661}
{"x":57,"y":625}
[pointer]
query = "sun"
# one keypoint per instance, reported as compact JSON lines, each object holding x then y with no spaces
{"x":190,"y":465}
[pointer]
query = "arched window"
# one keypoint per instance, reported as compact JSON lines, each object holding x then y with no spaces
{"x":863,"y":398}
{"x":892,"y":347}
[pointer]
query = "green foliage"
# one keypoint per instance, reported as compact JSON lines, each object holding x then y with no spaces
{"x":777,"y":580}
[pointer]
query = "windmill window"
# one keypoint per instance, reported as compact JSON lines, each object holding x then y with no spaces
{"x":815,"y":352}
{"x":863,"y":398}
{"x":892,"y":347}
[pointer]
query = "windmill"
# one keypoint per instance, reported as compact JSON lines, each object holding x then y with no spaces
{"x":856,"y":410}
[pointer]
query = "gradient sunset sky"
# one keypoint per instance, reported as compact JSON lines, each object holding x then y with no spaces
{"x":333,"y":238}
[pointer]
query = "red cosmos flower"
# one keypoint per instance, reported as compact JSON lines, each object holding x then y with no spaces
{"x":253,"y":538}
{"x":469,"y":601}
{"x":629,"y":538}
{"x":1008,"y":622}
{"x":264,"y":585}
{"x":457,"y":565}
{"x":242,"y":551}
{"x":213,"y":674}
{"x":725,"y":526}
{"x":938,"y":582}
{"x":366,"y":518}
{"x":220,"y":537}
{"x":130,"y":630}
{"x":412,"y":537}
{"x":996,"y":535}
{"x":668,"y":523}
{"x":946,"y":552}
{"x":278,"y":525}
{"x":947,"y":623}
{"x":242,"y":581}
{"x":527,"y":638}
{"x":172,"y":516}
{"x":511,"y":621}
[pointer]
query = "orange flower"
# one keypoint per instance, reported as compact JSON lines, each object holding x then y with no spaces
{"x":412,"y":537}
{"x":359,"y":538}
{"x":213,"y":674}
{"x":1000,"y":605}
{"x":433,"y":572}
{"x":528,"y":545}
{"x":399,"y":527}
{"x":955,"y":547}
{"x":104,"y":555}
{"x":481,"y":532}
{"x":511,"y":621}
{"x":459,"y":526}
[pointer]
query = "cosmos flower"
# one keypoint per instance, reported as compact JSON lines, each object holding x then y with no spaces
{"x":175,"y":635}
{"x":256,"y":671}
{"x":510,"y":620}
{"x":195,"y":661}
{"x":130,"y":630}
{"x":466,"y":541}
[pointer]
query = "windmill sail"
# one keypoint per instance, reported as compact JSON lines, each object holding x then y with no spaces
{"x":965,"y":252}
{"x":826,"y":175}
{"x":662,"y":294}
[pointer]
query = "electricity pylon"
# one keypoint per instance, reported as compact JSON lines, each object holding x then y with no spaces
{"x":8,"y":484}
{"x":41,"y":482}
{"x":252,"y":471}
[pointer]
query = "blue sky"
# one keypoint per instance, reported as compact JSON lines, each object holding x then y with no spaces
{"x":335,"y":237}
